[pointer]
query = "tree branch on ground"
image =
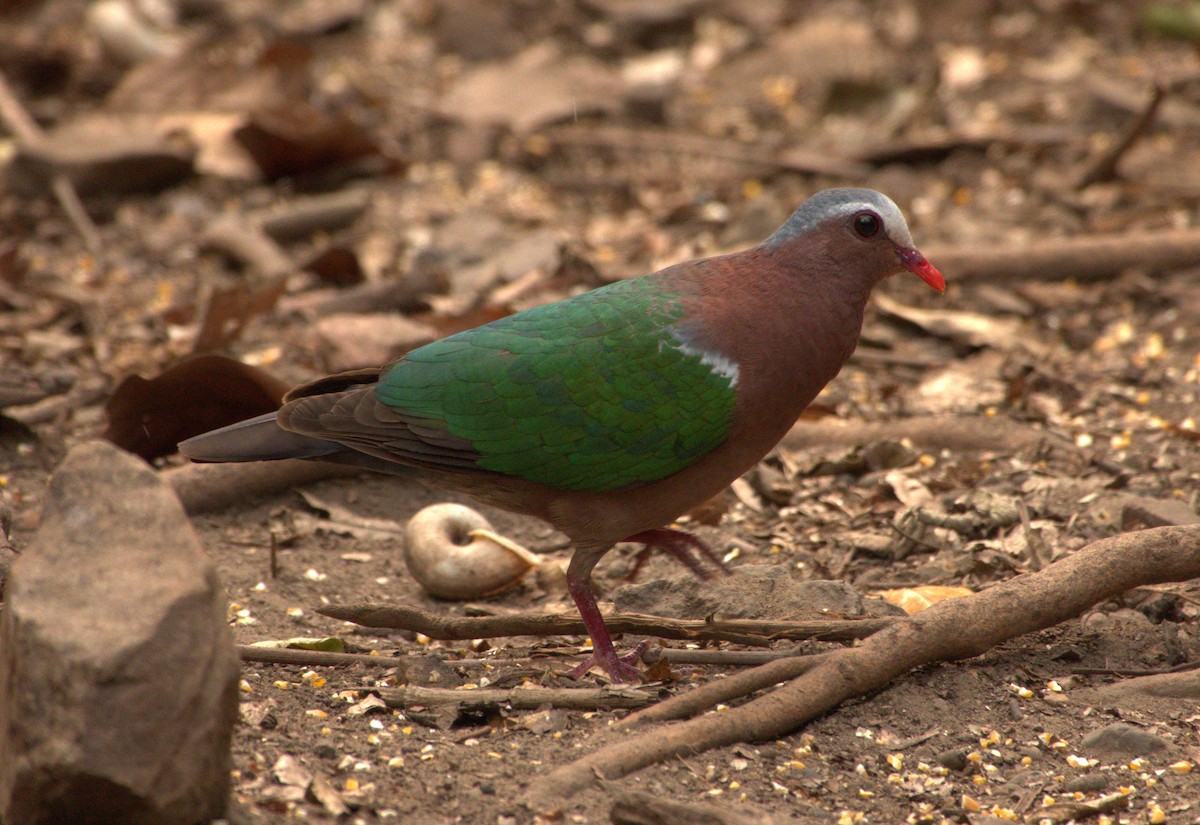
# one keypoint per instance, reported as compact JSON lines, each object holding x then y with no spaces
{"x":948,"y":631}
{"x":754,"y":632}
{"x":616,"y":697}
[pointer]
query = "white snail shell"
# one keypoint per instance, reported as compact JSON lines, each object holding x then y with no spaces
{"x":454,"y":553}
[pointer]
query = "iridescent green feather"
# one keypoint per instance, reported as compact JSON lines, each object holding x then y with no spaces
{"x":594,"y":393}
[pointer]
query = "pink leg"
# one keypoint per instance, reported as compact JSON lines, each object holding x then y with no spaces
{"x":619,"y":668}
{"x":678,"y":544}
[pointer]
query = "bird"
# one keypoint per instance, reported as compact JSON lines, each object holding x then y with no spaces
{"x":613,"y":412}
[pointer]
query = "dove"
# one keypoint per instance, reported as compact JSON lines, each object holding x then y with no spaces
{"x":613,"y":412}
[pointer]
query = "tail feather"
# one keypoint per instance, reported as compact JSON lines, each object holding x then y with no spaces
{"x":256,"y":439}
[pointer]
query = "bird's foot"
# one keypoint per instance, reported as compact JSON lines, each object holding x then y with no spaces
{"x":619,"y":668}
{"x":679,"y":544}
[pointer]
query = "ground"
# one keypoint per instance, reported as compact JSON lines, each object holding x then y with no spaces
{"x":496,"y":156}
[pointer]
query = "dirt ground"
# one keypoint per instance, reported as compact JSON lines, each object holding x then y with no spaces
{"x":487,"y":157}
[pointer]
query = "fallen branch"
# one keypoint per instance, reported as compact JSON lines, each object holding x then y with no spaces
{"x":1182,"y":685}
{"x":1104,"y":167}
{"x":711,"y":694}
{"x":736,"y":658}
{"x":300,"y":217}
{"x":521,"y":698}
{"x":203,"y":488}
{"x":1084,"y":258}
{"x":741,"y":631}
{"x":315,"y":658}
{"x":950,"y":630}
{"x":29,"y":134}
{"x":950,"y":432}
{"x":641,"y":141}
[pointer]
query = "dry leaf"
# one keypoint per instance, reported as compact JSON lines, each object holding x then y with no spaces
{"x":148,"y":417}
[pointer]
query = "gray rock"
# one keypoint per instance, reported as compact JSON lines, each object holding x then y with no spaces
{"x":1120,"y":740}
{"x":1088,"y":783}
{"x":758,"y":591}
{"x":1140,"y":512}
{"x":118,"y":676}
{"x":954,"y":759}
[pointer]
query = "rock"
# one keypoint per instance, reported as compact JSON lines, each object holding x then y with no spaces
{"x":1088,"y":783}
{"x":1121,"y":740}
{"x":118,"y":676}
{"x":353,"y":340}
{"x":1140,"y":512}
{"x":954,"y":759}
{"x":753,"y":592}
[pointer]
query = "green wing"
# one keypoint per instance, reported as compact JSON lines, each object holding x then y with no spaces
{"x":593,"y":393}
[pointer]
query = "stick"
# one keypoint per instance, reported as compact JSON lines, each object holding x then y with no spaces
{"x":316,"y":658}
{"x":711,"y":694}
{"x":1104,"y":168}
{"x":27,"y":131}
{"x":1085,"y":258}
{"x":736,"y":658}
{"x":959,"y":433}
{"x":950,"y":630}
{"x":617,"y":697}
{"x":751,"y":154}
{"x":303,"y":216}
{"x":742,"y":631}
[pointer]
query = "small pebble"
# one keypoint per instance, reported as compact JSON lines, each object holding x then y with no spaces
{"x":1088,"y":783}
{"x":955,"y":760}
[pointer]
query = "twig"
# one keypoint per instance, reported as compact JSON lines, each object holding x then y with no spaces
{"x":1085,"y":258}
{"x":204,"y":488}
{"x":736,"y":658}
{"x":760,"y":155}
{"x":1078,"y":811}
{"x":1104,"y":167}
{"x":963,"y":433}
{"x":932,"y":148}
{"x":246,"y":242}
{"x":316,"y":658}
{"x":741,"y":631}
{"x":1184,"y":684}
{"x":302,"y":216}
{"x":522,"y":698}
{"x":711,"y":694}
{"x":950,"y":630}
{"x":1183,"y":667}
{"x":27,"y":131}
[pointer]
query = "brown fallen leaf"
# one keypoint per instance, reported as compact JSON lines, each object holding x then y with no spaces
{"x":298,"y":139}
{"x":148,"y":417}
{"x":227,"y":311}
{"x":973,"y":329}
{"x":915,"y":599}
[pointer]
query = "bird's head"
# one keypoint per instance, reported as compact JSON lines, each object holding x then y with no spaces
{"x":857,"y":230}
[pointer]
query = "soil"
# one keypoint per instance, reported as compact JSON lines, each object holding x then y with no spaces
{"x":516,"y":152}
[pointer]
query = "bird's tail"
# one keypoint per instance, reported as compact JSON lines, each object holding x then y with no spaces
{"x":256,"y":439}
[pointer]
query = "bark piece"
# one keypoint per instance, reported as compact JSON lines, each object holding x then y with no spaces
{"x":118,"y":677}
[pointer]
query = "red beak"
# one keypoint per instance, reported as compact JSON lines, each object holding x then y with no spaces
{"x":916,"y":263}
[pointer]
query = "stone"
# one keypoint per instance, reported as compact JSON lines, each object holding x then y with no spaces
{"x":1120,"y":740}
{"x":1140,"y":512}
{"x":118,"y":675}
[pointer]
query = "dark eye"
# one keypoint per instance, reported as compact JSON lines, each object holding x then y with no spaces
{"x":866,"y":224}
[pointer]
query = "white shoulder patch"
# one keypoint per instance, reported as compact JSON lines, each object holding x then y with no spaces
{"x":719,"y":363}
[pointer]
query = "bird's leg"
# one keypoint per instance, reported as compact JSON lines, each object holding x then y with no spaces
{"x":678,"y":543}
{"x":579,"y":583}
